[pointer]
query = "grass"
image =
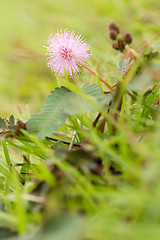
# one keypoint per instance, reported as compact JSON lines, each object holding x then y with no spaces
{"x":105,"y":186}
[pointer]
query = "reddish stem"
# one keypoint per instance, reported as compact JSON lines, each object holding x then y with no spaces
{"x":95,"y":75}
{"x":144,"y":45}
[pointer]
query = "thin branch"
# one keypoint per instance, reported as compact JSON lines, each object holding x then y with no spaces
{"x":128,"y":108}
{"x":146,"y":44}
{"x":96,"y":120}
{"x":65,"y":142}
{"x":72,"y":141}
{"x":143,"y":46}
{"x":95,"y":75}
{"x":28,"y":197}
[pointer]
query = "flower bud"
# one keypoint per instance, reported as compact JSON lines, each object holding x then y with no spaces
{"x":115,"y":46}
{"x":121,"y":45}
{"x":113,"y":35}
{"x":113,"y":26}
{"x":128,"y":38}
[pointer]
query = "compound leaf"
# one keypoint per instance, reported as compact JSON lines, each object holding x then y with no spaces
{"x":62,"y":102}
{"x":48,"y":120}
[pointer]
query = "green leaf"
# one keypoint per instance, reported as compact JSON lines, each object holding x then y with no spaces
{"x":6,"y":153}
{"x":134,"y":53}
{"x":95,"y":92}
{"x":2,"y":124}
{"x":62,"y":102}
{"x":121,"y":63}
{"x":11,"y":120}
{"x":48,"y":120}
{"x":149,"y":103}
{"x":4,"y":170}
{"x":76,"y":104}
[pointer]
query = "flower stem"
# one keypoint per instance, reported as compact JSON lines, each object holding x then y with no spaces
{"x":95,"y":75}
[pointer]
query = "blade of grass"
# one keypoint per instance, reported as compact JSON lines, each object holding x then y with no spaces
{"x":6,"y":153}
{"x":20,"y":208}
{"x":149,"y":102}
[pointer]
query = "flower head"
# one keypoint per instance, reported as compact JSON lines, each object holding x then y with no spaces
{"x":66,"y":50}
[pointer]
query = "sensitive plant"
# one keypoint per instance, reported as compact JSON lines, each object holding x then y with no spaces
{"x":66,"y":50}
{"x":86,"y":166}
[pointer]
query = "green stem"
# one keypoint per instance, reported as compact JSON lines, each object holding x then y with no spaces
{"x":66,"y":76}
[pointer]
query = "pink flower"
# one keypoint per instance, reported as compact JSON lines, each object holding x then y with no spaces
{"x":66,"y":50}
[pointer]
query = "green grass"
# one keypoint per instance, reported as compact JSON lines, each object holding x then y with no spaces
{"x":108,"y":185}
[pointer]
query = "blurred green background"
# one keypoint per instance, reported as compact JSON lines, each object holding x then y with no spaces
{"x":25,"y":25}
